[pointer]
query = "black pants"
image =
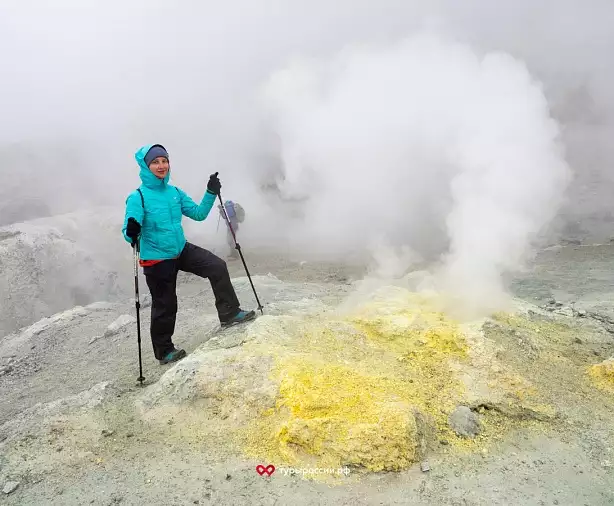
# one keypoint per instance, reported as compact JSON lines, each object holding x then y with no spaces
{"x":162,"y":282}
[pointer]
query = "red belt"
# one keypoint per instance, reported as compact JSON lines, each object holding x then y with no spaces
{"x":148,"y":263}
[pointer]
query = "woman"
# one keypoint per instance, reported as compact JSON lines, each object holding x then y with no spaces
{"x":153,"y":215}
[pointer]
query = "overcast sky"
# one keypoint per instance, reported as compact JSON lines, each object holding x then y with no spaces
{"x":84,"y":84}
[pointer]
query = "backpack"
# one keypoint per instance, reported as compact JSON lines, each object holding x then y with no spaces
{"x":230,"y":208}
{"x":234,"y":210}
{"x":240,"y":213}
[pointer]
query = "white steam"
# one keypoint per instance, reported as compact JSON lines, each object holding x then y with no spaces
{"x":379,"y":146}
{"x":426,"y":145}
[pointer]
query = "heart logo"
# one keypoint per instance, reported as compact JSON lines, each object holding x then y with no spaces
{"x":268,"y":470}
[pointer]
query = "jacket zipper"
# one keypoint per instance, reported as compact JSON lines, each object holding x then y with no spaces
{"x":170,"y":212}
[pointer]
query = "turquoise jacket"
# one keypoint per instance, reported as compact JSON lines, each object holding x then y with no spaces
{"x":165,"y":205}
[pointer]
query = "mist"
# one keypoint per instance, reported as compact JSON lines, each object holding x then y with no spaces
{"x":421,"y":144}
{"x":463,"y":133}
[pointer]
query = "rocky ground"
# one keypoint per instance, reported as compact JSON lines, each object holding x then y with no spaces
{"x":410,"y":407}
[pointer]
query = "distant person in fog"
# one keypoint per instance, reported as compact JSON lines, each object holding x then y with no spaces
{"x":236,"y":215}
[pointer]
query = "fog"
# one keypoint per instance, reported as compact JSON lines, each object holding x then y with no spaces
{"x":456,"y":130}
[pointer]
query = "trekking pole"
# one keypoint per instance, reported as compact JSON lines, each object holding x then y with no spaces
{"x":238,"y":248}
{"x":137,"y":253}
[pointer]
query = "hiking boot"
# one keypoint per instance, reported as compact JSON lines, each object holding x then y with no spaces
{"x":240,"y":317}
{"x":173,"y":356}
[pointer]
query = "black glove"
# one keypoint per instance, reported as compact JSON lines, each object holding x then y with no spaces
{"x":214,"y":186}
{"x":133,"y":229}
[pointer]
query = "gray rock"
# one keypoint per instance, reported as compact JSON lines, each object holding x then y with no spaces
{"x":144,"y":299}
{"x":95,"y":338}
{"x":10,"y":487}
{"x":565,"y":311}
{"x":464,"y":422}
{"x":102,"y":306}
{"x":115,"y":327}
{"x":571,"y":242}
{"x":602,"y":318}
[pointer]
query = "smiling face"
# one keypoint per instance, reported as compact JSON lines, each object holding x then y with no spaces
{"x":159,"y":167}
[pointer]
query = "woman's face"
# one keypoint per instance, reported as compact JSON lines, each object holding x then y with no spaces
{"x":159,"y":167}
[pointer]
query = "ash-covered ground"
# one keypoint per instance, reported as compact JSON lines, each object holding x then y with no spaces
{"x":344,"y":374}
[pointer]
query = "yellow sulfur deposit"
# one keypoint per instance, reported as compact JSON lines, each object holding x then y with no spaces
{"x":603,"y":374}
{"x":345,"y":417}
{"x":350,"y":386}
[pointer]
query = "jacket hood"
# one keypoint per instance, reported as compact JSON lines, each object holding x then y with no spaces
{"x":147,"y":177}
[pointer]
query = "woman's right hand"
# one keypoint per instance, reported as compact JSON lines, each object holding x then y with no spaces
{"x":133,"y":229}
